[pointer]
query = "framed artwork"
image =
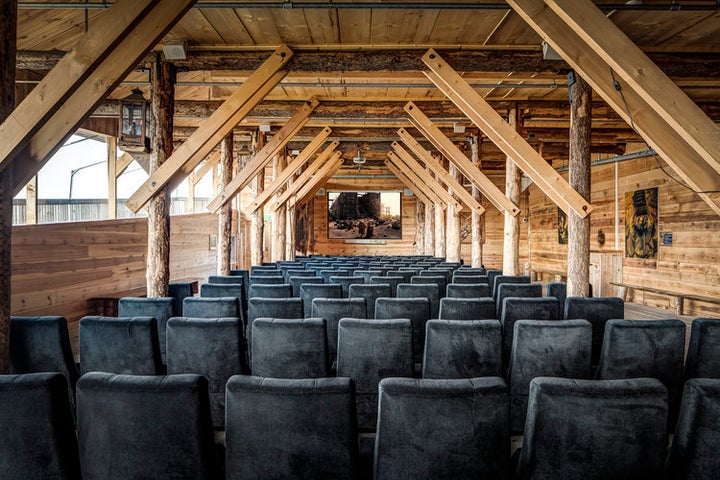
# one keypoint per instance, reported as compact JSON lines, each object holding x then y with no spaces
{"x":365,"y":215}
{"x":641,"y":224}
{"x":562,"y":227}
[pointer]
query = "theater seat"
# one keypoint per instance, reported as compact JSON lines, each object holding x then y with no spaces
{"x":416,"y":309}
{"x":597,"y":311}
{"x":467,"y":290}
{"x":311,"y":291}
{"x":289,"y":348}
{"x":467,"y":308}
{"x":703,"y":356}
{"x":161,"y":309}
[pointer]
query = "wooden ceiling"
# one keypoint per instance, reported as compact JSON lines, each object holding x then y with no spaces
{"x":362,"y":61}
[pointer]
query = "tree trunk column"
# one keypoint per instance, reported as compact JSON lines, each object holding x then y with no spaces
{"x":419,"y":227}
{"x":511,"y":244}
{"x":439,"y":221}
{"x":8,"y":45}
{"x":225,"y":213}
{"x":429,"y":229}
{"x":257,"y":225}
{"x":452,"y":253}
{"x":578,"y":278}
{"x":477,"y":219}
{"x":279,"y":224}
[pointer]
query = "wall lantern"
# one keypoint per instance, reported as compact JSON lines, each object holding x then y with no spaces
{"x":133,"y":122}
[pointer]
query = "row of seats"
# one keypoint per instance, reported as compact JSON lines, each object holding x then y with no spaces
{"x":159,"y":427}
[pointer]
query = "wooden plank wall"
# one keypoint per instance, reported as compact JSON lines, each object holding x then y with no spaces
{"x":57,"y":267}
{"x":690,"y":265}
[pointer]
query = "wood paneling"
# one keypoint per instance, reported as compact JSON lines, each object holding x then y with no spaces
{"x":57,"y":267}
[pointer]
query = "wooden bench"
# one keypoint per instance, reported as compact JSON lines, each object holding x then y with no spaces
{"x":678,"y":298}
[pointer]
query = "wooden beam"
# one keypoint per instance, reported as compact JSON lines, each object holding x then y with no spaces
{"x":407,"y":182}
{"x":31,"y":151}
{"x":279,"y":219}
{"x":476,"y":233}
{"x":206,"y":166}
{"x":225,"y":213}
{"x":112,"y":175}
{"x":304,"y":178}
{"x":504,"y":136}
{"x":311,"y":186}
{"x":437,"y":169}
{"x":123,"y":162}
{"x":511,"y":224}
{"x":263,"y":157}
{"x":628,"y":104}
{"x":458,"y":158}
{"x":287,"y":172}
{"x":212,"y":131}
{"x":417,"y":173}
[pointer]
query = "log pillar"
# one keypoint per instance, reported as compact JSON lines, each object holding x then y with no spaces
{"x":163,"y":106}
{"x":578,"y":278}
{"x":290,"y":233}
{"x":429,"y":229}
{"x":511,"y":239}
{"x":8,"y":47}
{"x":279,"y":224}
{"x":257,"y":220}
{"x":452,"y":231}
{"x":439,"y":218}
{"x":225,"y":212}
{"x":477,"y":219}
{"x":419,"y":227}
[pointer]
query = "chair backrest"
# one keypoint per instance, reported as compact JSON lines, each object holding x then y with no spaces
{"x":597,"y":311}
{"x":138,"y":426}
{"x":297,"y":272}
{"x":283,"y":290}
{"x":694,"y":450}
{"x":42,"y":344}
{"x":38,"y":439}
{"x":119,"y":345}
{"x":546,"y":348}
{"x":264,"y":270}
{"x":345,"y":281}
{"x":462,"y":349}
{"x":332,"y":310}
{"x":559,"y":291}
{"x":461,"y":278}
{"x":393,"y":281}
{"x":515,"y":290}
{"x":161,"y":309}
{"x":491,"y":274}
{"x":430,"y":290}
{"x":208,"y":307}
{"x":515,"y":279}
{"x":271,"y":308}
{"x":225,"y":290}
{"x":311,"y":291}
{"x":297,"y":281}
{"x":568,"y":433}
{"x":266,"y":279}
{"x":515,"y":309}
{"x":446,"y":273}
{"x":368,"y":351}
{"x":416,"y":309}
{"x":370,"y":292}
{"x":468,"y":290}
{"x":212,"y":347}
{"x":398,"y":273}
{"x":291,"y":428}
{"x":179,"y":291}
{"x":366,"y":274}
{"x":289,"y":348}
{"x":703,"y":355}
{"x":442,"y":429}
{"x":467,"y":308}
{"x":439,"y":280}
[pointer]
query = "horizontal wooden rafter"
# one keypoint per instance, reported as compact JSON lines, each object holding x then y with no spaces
{"x":417,"y":172}
{"x":304,"y":177}
{"x":417,"y":190}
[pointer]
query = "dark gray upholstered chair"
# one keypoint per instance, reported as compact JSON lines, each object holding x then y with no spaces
{"x":212,"y":347}
{"x":225,"y":279}
{"x":368,"y":351}
{"x":430,"y":290}
{"x":38,"y":435}
{"x":136,"y":426}
{"x":220,"y":290}
{"x":327,"y":273}
{"x":366,"y":274}
{"x":291,"y":428}
{"x":443,"y":429}
{"x":179,"y":291}
{"x":245,"y":275}
{"x":439,"y":280}
{"x":297,"y":282}
{"x":467,"y":308}
{"x":119,"y":345}
{"x":42,"y":344}
{"x":696,"y":443}
{"x":703,"y":355}
{"x":467,"y":290}
{"x":597,"y":311}
{"x":289,"y":348}
{"x":266,"y":279}
{"x":491,"y":274}
{"x":264,"y":270}
{"x":370,"y":292}
{"x":161,"y":309}
{"x":514,"y":279}
{"x":345,"y":282}
{"x":468,"y":269}
{"x":641,"y":348}
{"x":435,"y":271}
{"x":599,"y":429}
{"x":515,"y":290}
{"x":546,"y":348}
{"x":462,"y":349}
{"x":271,"y":308}
{"x":559,"y":291}
{"x":311,"y":291}
{"x":462,"y":278}
{"x":208,"y":307}
{"x":514,"y":309}
{"x":283,"y":290}
{"x":392,"y":281}
{"x":298,"y":272}
{"x":400,"y":273}
{"x":332,"y":310}
{"x":416,"y":309}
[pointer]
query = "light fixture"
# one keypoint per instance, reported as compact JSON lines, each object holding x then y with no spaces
{"x":458,"y":128}
{"x":549,"y":52}
{"x":133,"y":122}
{"x":359,"y":159}
{"x":175,"y":49}
{"x":264,"y":127}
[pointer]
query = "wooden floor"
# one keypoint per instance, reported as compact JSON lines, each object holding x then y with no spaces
{"x":635,"y":311}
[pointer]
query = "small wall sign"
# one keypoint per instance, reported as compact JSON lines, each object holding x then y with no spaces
{"x":666,"y":238}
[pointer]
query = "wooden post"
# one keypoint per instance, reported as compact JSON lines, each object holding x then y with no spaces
{"x":8,"y":47}
{"x":163,"y":105}
{"x":453,"y":223}
{"x":31,"y":202}
{"x":439,"y":220}
{"x":578,"y":278}
{"x":290,"y":233}
{"x":111,"y":143}
{"x":477,"y":219}
{"x":279,"y":224}
{"x":511,"y":243}
{"x":429,"y":229}
{"x":419,"y":242}
{"x":225,"y":212}
{"x":257,"y":225}
{"x":190,"y":204}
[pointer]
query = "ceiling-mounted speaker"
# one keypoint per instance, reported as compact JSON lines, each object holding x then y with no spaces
{"x":175,"y":50}
{"x":549,"y":52}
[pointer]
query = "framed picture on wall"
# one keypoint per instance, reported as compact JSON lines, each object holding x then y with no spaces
{"x":641,"y":224}
{"x":365,"y":215}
